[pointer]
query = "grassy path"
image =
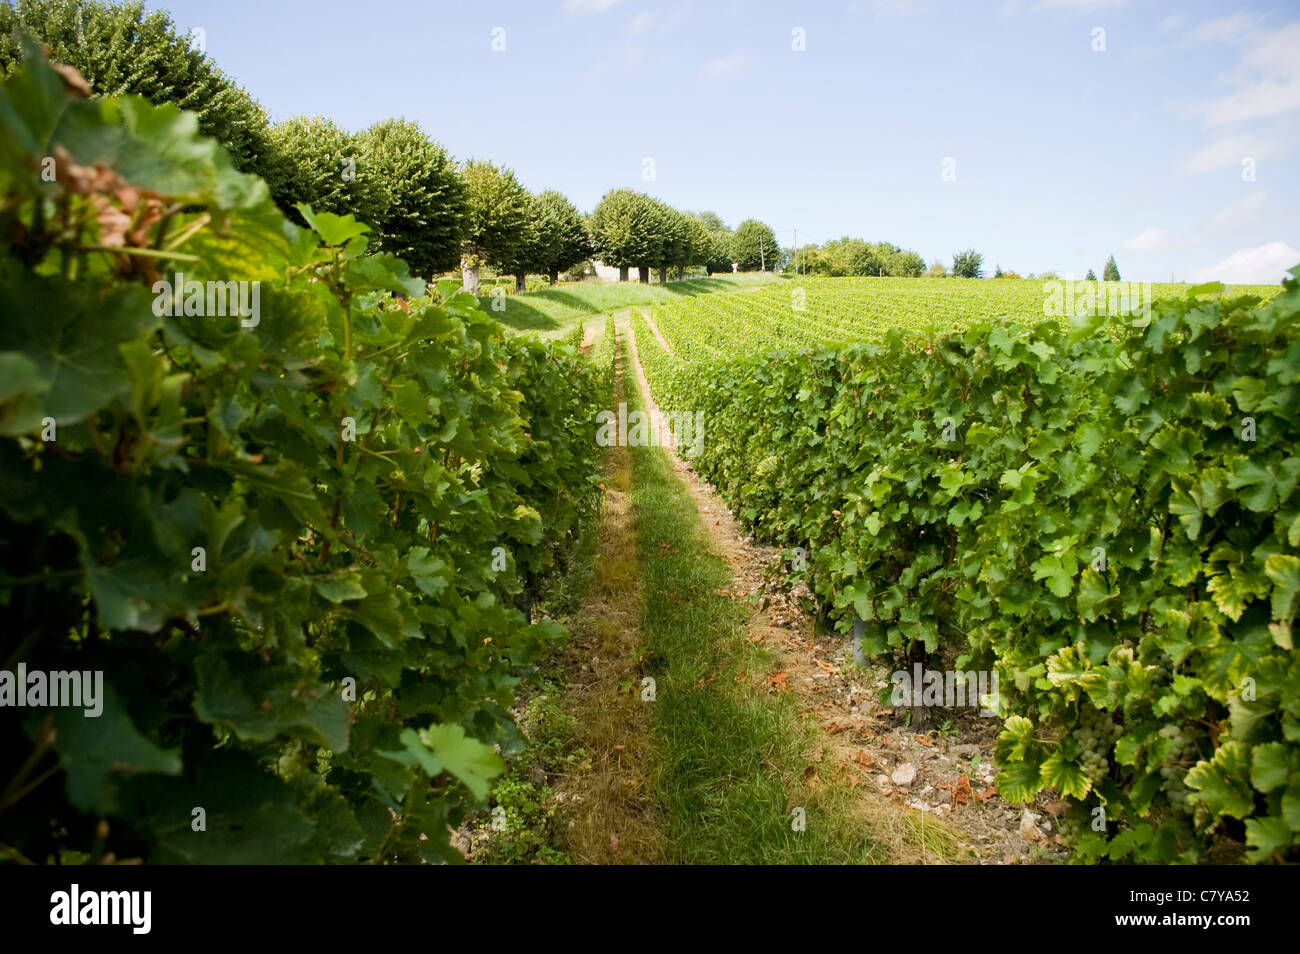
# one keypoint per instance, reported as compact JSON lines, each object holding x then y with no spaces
{"x":732,"y":768}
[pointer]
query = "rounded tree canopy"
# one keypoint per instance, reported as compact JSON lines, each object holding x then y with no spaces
{"x":754,"y":246}
{"x":128,"y":49}
{"x":623,"y":228}
{"x":419,"y":199}
{"x":320,"y":164}
{"x":498,"y":224}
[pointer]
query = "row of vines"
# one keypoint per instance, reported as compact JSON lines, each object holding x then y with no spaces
{"x":299,"y":540}
{"x":1105,"y":514}
{"x":813,"y":311}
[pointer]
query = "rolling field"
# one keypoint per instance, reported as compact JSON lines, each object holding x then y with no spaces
{"x":813,"y":311}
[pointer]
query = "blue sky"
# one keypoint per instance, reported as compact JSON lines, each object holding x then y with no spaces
{"x":1062,"y":153}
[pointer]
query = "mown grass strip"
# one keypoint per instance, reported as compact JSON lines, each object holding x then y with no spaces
{"x":730,"y":762}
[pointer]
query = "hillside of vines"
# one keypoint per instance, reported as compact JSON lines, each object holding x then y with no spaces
{"x":1104,"y":511}
{"x":812,"y":311}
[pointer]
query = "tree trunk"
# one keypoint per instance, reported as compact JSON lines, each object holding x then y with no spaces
{"x":920,"y":712}
{"x":622,"y":273}
{"x":521,"y":282}
{"x":643,"y":273}
{"x":663,"y":274}
{"x":469,"y":277}
{"x":553,"y":275}
{"x":681,"y":273}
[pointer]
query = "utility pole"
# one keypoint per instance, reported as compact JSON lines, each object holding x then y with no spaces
{"x":762,"y":257}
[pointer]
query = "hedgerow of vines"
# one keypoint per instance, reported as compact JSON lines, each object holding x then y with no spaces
{"x":1106,"y":513}
{"x":297,"y":544}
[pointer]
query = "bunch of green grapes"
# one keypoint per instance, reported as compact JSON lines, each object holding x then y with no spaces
{"x":1096,"y":733}
{"x":1180,"y":758}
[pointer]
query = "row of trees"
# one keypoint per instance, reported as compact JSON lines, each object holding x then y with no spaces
{"x":420,"y":203}
{"x":853,"y":256}
{"x":969,"y":264}
{"x":633,"y":230}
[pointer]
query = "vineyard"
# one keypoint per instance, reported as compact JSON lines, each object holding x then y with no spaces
{"x":1103,"y":512}
{"x":309,"y":557}
{"x":814,"y":311}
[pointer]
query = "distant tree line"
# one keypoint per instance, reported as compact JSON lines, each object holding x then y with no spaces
{"x":853,"y":256}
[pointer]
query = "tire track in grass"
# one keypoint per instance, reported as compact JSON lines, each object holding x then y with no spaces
{"x":612,"y":815}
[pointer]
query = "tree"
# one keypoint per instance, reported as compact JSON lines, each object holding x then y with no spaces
{"x":997,"y":271}
{"x":672,"y":243}
{"x":497,"y":222}
{"x":1091,"y":276}
{"x":967,"y":264}
{"x":1110,"y":273}
{"x":699,"y":243}
{"x":937,"y":270}
{"x":804,"y":261}
{"x":419,"y":200}
{"x":126,"y":49}
{"x":754,"y":247}
{"x":316,"y":162}
{"x":555,"y":240}
{"x":904,"y":264}
{"x":621,"y":227}
{"x":863,"y":259}
{"x":718,"y":257}
{"x":566,"y":241}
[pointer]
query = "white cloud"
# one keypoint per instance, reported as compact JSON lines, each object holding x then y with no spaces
{"x":723,"y":65}
{"x":1223,"y":29}
{"x":1266,"y":265}
{"x":1145,"y":241}
{"x":1260,"y":101}
{"x":1173,"y":22}
{"x":1239,"y":213}
{"x":1267,"y":79}
{"x":1229,"y":151}
{"x":640,"y":23}
{"x":588,"y":6}
{"x":1274,"y":54}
